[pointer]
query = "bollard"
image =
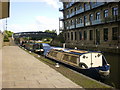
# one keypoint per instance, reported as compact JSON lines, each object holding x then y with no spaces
{"x":57,"y":65}
{"x":29,"y":51}
{"x":38,"y":55}
{"x":75,"y":48}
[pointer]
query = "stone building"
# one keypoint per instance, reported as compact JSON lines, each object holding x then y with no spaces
{"x":4,"y":8}
{"x":91,"y":23}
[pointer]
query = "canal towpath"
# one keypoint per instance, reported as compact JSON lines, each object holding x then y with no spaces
{"x":22,"y":70}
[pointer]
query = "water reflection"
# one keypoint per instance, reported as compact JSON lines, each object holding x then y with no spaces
{"x":114,"y":61}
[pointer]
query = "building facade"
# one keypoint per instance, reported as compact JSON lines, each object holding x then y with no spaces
{"x":91,"y":23}
{"x":4,"y":8}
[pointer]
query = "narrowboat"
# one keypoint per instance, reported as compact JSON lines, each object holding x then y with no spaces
{"x":90,"y":63}
{"x":35,"y":47}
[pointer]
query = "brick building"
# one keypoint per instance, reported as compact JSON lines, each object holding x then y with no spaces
{"x":91,"y":24}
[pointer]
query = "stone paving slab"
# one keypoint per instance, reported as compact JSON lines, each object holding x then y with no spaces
{"x":1,"y":39}
{"x":22,"y":70}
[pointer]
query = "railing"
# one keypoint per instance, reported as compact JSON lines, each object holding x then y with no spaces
{"x":97,"y":4}
{"x":111,"y":19}
{"x":80,"y":11}
{"x":87,"y":8}
{"x":80,"y":25}
{"x":67,"y":28}
{"x":99,"y":21}
{"x":61,"y":18}
{"x":61,"y":29}
{"x":72,"y":14}
{"x":73,"y":26}
{"x":87,"y":23}
{"x":61,"y":9}
{"x":67,"y":16}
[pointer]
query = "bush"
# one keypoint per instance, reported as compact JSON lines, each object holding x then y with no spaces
{"x":6,"y":39}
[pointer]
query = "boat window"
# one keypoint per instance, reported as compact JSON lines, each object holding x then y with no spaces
{"x":104,"y":61}
{"x":66,"y":57}
{"x":54,"y":54}
{"x":73,"y":59}
{"x":51,"y":53}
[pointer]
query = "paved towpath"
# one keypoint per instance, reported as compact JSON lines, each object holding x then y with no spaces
{"x":1,"y":60}
{"x":22,"y":70}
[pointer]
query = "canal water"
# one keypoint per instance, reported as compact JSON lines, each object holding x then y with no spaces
{"x":114,"y":61}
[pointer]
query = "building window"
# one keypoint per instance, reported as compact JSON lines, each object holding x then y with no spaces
{"x":106,"y":13}
{"x":68,"y":12}
{"x":91,"y":34}
{"x":80,"y":35}
{"x":105,"y":34}
{"x":97,"y":15}
{"x":115,"y":11}
{"x":85,"y":5}
{"x":80,"y":7}
{"x":65,"y":36}
{"x":91,"y":17}
{"x":115,"y":33}
{"x":85,"y":19}
{"x":85,"y":35}
{"x":68,"y":36}
{"x":75,"y":35}
{"x":76,"y":21}
{"x":71,"y":35}
{"x":80,"y":20}
{"x":71,"y":10}
{"x":75,"y":9}
{"x":72,"y":22}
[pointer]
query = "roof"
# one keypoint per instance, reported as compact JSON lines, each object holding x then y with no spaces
{"x":72,"y":51}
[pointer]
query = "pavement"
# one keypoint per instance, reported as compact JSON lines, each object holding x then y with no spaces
{"x":22,"y":70}
{"x":0,"y":60}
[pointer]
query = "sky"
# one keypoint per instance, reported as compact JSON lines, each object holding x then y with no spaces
{"x":33,"y":15}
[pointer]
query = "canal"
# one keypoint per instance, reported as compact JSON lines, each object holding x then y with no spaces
{"x":114,"y":61}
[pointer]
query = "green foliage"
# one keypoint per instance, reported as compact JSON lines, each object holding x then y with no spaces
{"x":6,"y":39}
{"x":49,"y":31}
{"x":59,"y":38}
{"x":8,"y":33}
{"x":47,"y":40}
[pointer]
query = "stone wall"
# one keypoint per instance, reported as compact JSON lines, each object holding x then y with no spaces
{"x":91,"y":48}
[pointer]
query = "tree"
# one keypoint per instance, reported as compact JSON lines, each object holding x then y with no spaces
{"x":59,"y":38}
{"x":49,"y":31}
{"x":8,"y":33}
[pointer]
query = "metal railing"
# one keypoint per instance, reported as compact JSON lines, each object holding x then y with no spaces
{"x":97,"y":4}
{"x":67,"y":27}
{"x":87,"y":8}
{"x":87,"y":23}
{"x":99,"y":21}
{"x":111,"y":19}
{"x":61,"y":28}
{"x":72,"y":26}
{"x":61,"y":18}
{"x":67,"y":16}
{"x":80,"y":25}
{"x":80,"y":11}
{"x":61,"y":9}
{"x":72,"y":14}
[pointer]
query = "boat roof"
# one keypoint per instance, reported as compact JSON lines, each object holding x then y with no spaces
{"x":73,"y":51}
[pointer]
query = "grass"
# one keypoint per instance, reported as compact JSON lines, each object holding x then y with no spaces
{"x":72,"y":75}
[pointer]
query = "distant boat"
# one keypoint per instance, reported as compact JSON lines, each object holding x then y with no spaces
{"x":92,"y":63}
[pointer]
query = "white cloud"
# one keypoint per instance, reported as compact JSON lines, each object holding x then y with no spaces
{"x":53,"y":3}
{"x":47,"y":23}
{"x":22,"y":28}
{"x":42,"y":23}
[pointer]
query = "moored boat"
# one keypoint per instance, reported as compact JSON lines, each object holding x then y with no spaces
{"x":85,"y":61}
